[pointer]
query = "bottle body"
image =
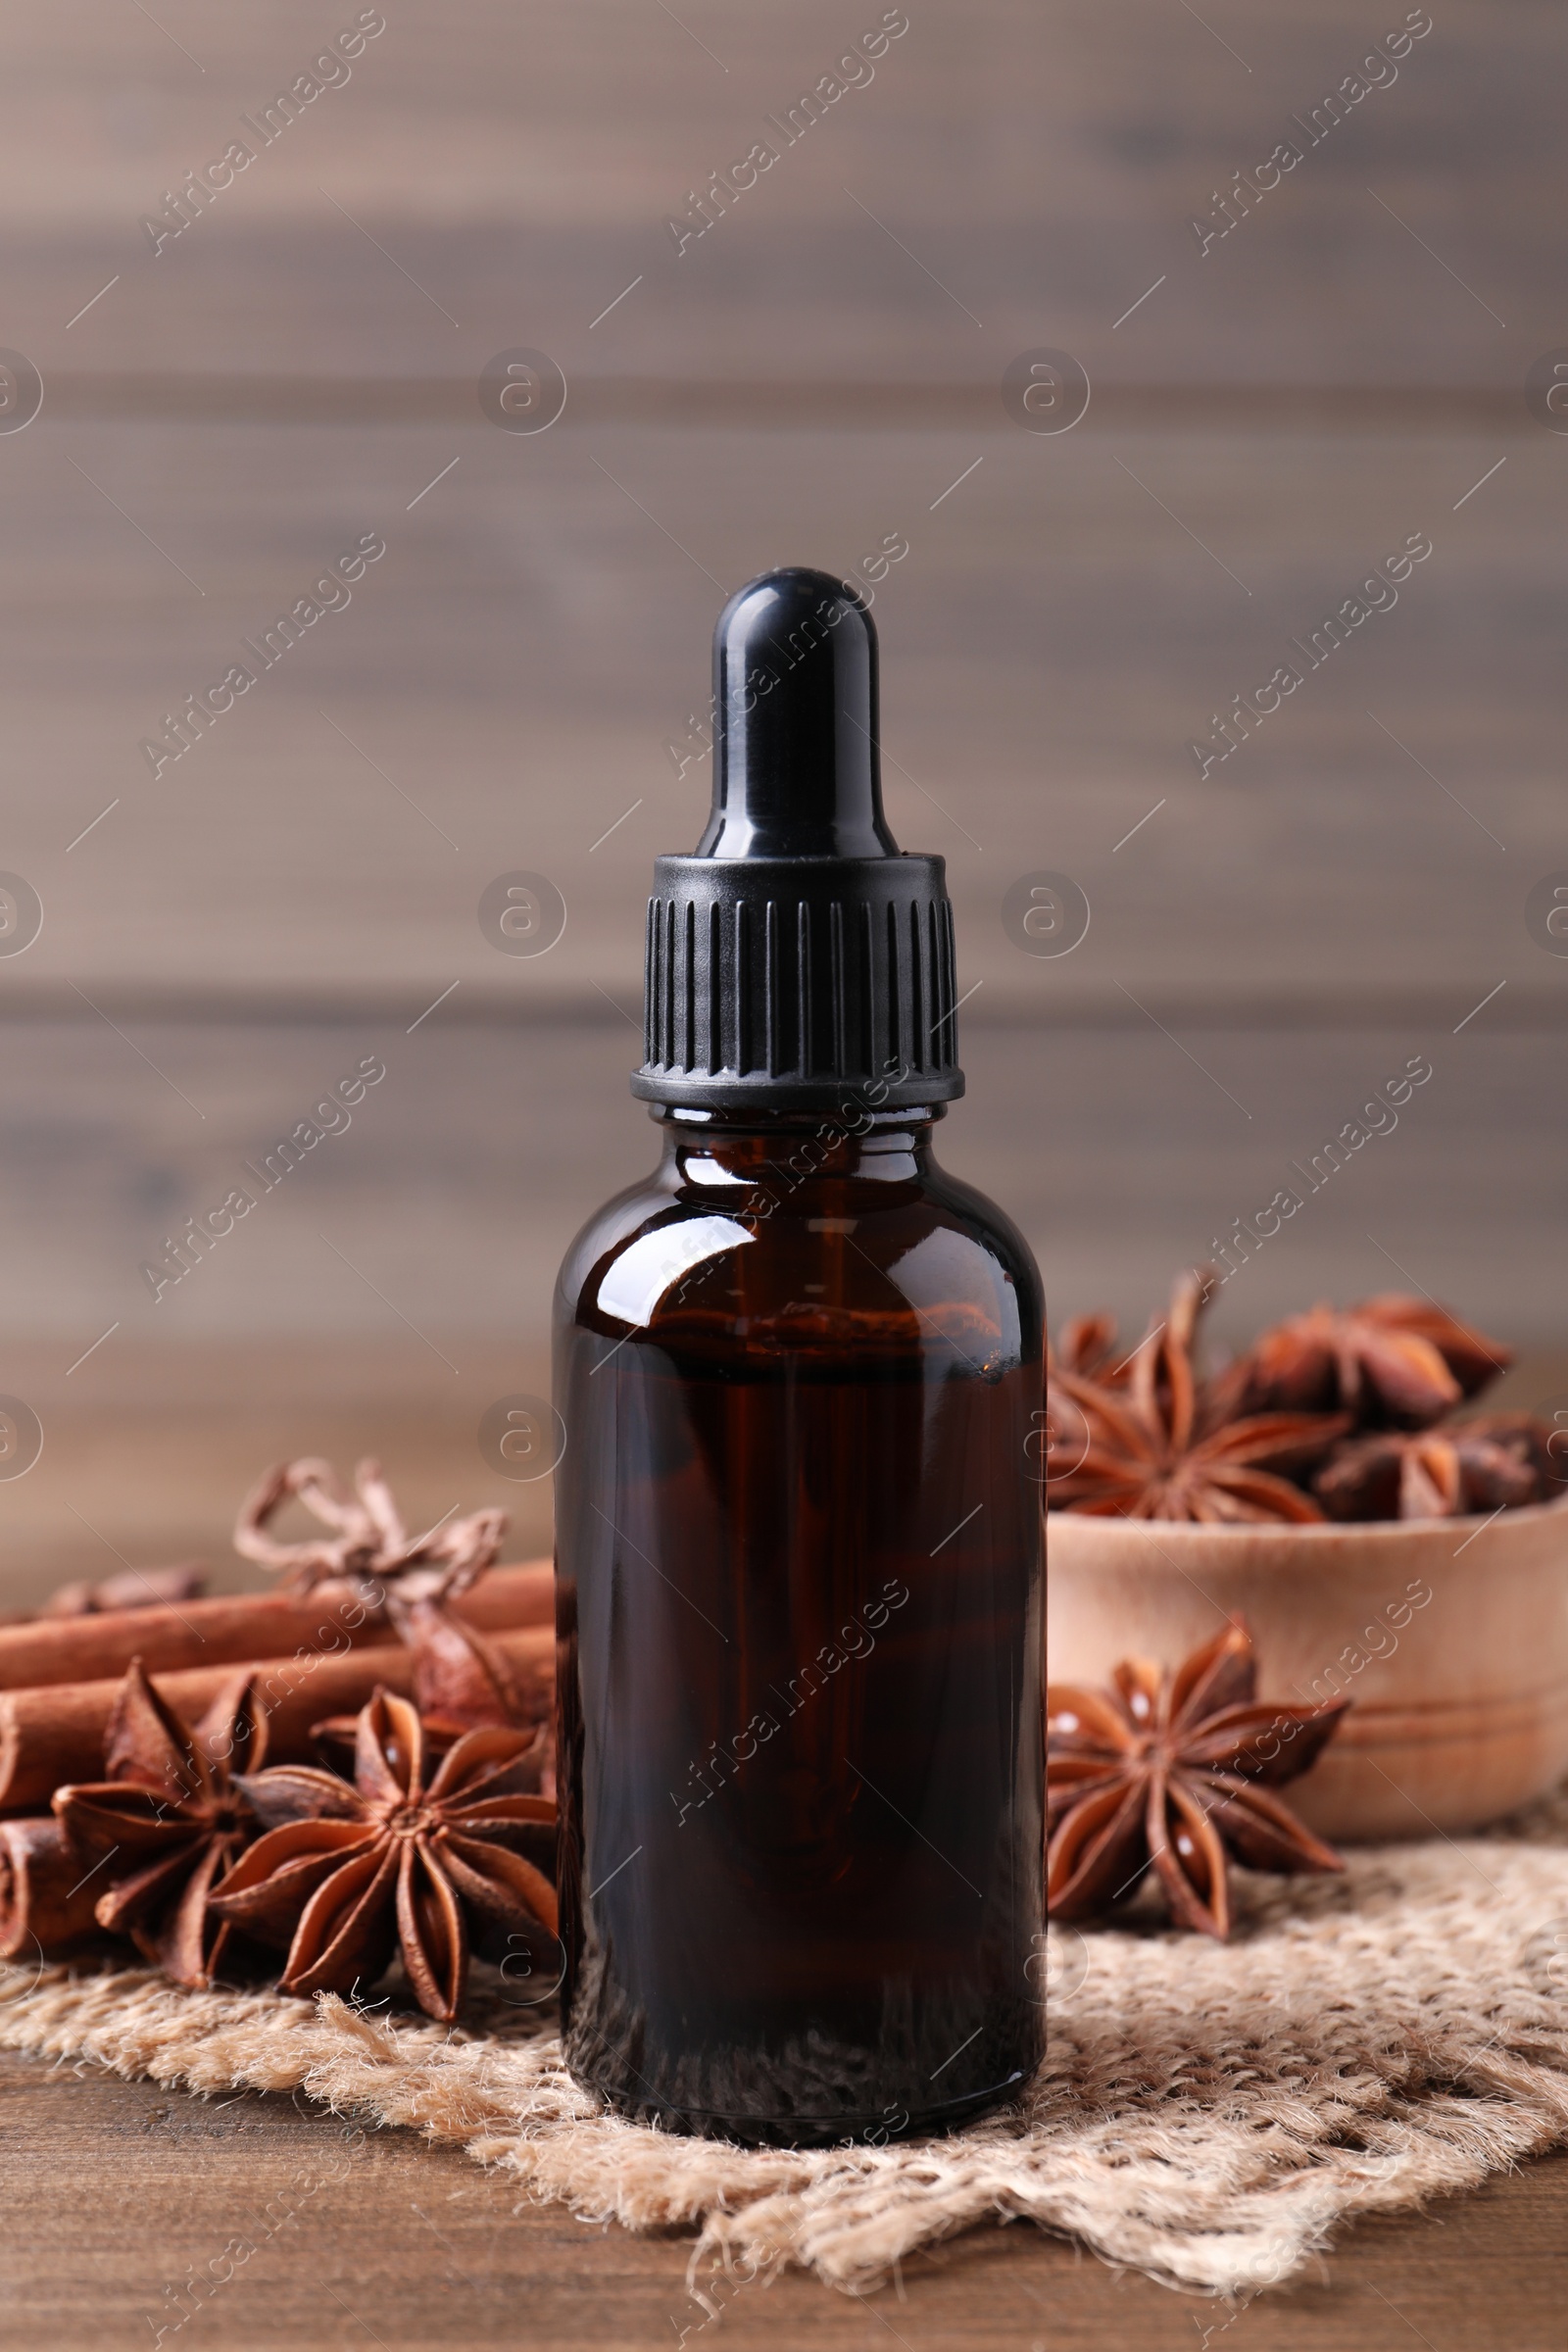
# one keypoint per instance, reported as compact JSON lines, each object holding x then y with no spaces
{"x":799,"y":1594}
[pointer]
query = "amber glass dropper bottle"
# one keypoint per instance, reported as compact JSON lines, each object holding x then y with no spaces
{"x":798,"y":1527}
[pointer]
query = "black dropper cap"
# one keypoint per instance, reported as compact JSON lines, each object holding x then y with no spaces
{"x":798,"y":959}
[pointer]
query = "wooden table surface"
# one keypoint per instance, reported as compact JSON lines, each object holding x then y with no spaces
{"x":114,"y":2193}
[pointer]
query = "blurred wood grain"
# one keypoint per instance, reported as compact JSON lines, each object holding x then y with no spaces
{"x":803,"y":381}
{"x":1041,"y":164}
{"x":505,"y":685}
{"x":818,"y":373}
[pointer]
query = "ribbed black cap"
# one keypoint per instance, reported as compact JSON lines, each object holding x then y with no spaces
{"x":798,"y":959}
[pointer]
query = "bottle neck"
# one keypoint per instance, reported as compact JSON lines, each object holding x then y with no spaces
{"x":705,"y":1147}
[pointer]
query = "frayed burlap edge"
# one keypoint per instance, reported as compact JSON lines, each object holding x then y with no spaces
{"x":1208,"y":2115}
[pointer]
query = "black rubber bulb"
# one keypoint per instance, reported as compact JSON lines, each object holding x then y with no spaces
{"x":795,"y":766}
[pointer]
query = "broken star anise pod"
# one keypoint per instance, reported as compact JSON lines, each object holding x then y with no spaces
{"x":1482,"y":1465}
{"x":168,"y":1820}
{"x":1174,"y":1772}
{"x":1392,"y":1360}
{"x":461,"y":1680}
{"x":369,"y":1545}
{"x":1162,"y":1446}
{"x":408,"y":1857}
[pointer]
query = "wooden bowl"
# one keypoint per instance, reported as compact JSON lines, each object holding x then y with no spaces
{"x":1451,"y":1636}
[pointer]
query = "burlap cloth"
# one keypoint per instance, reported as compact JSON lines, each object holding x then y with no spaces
{"x":1208,"y":2115}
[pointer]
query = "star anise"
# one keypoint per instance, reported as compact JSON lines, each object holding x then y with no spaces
{"x":1172,"y":1771}
{"x":370,"y":1544}
{"x":460,"y":1680}
{"x":1088,"y":1348}
{"x":1392,"y":1360}
{"x":405,"y":1858}
{"x":1544,"y":1445}
{"x":1163,"y":1446}
{"x":168,"y":1820}
{"x":1085,"y":1353}
{"x":1483,"y":1465}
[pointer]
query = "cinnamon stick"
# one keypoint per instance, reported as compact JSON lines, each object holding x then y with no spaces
{"x":53,"y":1734}
{"x":240,"y":1626}
{"x":46,"y":1903}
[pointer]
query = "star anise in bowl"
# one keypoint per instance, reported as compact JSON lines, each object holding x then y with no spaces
{"x":1164,"y":1444}
{"x":1174,"y":1772}
{"x":1330,"y":1413}
{"x":1483,"y":1465}
{"x":1392,"y":1362}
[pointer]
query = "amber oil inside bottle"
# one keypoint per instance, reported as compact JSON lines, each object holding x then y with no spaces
{"x":799,"y":1558}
